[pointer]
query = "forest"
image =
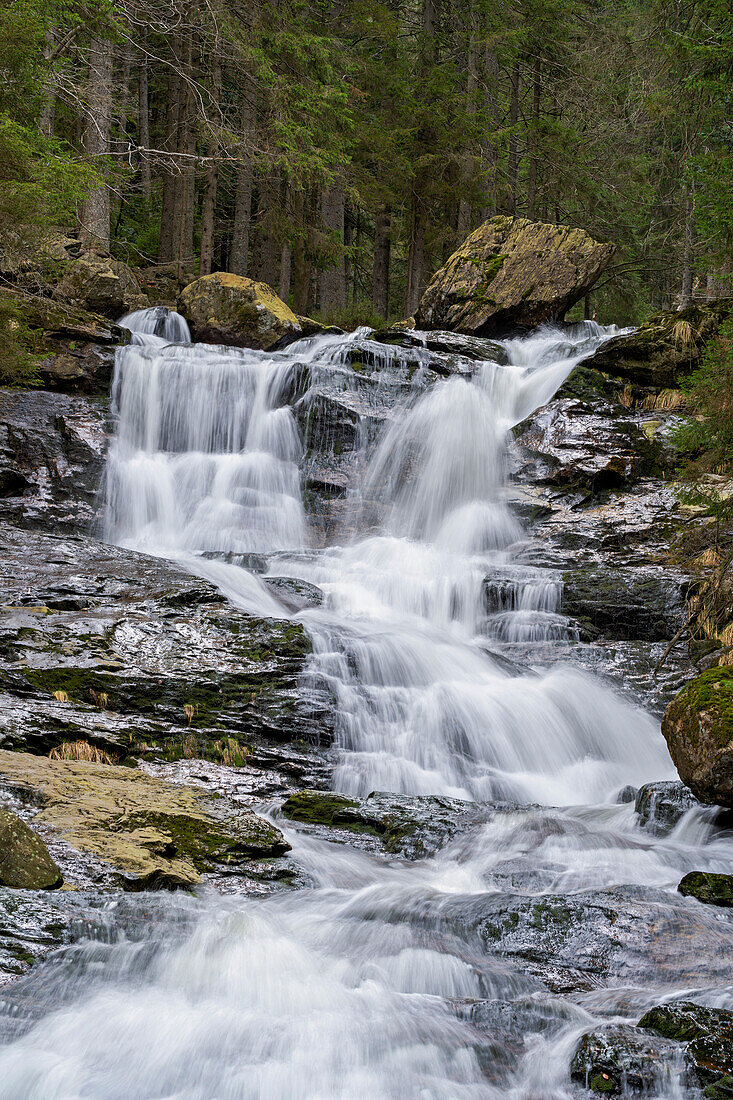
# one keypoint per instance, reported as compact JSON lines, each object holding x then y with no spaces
{"x":339,"y":151}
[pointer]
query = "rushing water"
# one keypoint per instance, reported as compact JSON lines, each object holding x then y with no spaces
{"x":385,"y":979}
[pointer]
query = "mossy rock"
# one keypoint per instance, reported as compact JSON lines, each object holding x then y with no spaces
{"x":239,"y":312}
{"x":619,"y":1060}
{"x":154,"y":834}
{"x":707,"y":887}
{"x":25,"y":862}
{"x":512,"y":273}
{"x":698,"y":729}
{"x":708,"y":1031}
{"x":665,"y":349}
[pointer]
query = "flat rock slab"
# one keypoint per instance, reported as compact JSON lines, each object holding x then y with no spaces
{"x":156,"y":835}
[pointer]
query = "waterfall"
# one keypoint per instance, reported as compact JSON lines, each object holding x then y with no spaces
{"x":382,"y":980}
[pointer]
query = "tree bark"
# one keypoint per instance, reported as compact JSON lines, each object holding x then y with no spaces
{"x":416,"y":258}
{"x":266,"y":249}
{"x":95,"y":214}
{"x":333,"y":279}
{"x":239,"y":252}
{"x":206,"y":255}
{"x":48,"y":111}
{"x":418,"y":204}
{"x":513,"y":159}
{"x":382,"y":250}
{"x":166,"y":248}
{"x":688,"y":258}
{"x":301,"y":260}
{"x":533,"y":159}
{"x":143,"y":127}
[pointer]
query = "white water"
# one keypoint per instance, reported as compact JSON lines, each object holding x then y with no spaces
{"x":361,"y":988}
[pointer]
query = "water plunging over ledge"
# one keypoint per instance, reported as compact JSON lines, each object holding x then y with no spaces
{"x":385,"y":979}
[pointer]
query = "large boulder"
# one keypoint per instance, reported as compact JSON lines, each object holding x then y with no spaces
{"x":512,"y":273}
{"x":698,"y":729}
{"x":230,"y":309}
{"x":100,"y":284}
{"x":666,"y":348}
{"x":25,"y":862}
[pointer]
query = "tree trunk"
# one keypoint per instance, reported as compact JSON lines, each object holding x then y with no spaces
{"x":416,"y":258}
{"x":688,"y":260}
{"x":463,"y":225}
{"x":333,"y":279}
{"x":166,"y":248}
{"x":489,"y":151}
{"x":212,"y":178}
{"x":513,"y":159}
{"x":143,"y":127}
{"x":48,"y":111}
{"x":533,"y":159}
{"x":267,"y":248}
{"x":382,"y":249}
{"x":239,"y":252}
{"x":97,"y":128}
{"x":301,"y":261}
{"x":186,"y":180}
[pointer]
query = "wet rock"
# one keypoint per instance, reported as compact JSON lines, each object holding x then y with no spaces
{"x":294,"y":594}
{"x":414,"y":827}
{"x":512,"y":272}
{"x":32,"y":925}
{"x":698,"y":729}
{"x":662,"y":804}
{"x":713,"y":889}
{"x":572,"y":445}
{"x":708,"y":1031}
{"x":623,"y":603}
{"x":580,"y":941}
{"x":100,"y":284}
{"x":722,"y":1089}
{"x":621,"y":1060}
{"x":156,"y":835}
{"x":665,"y":349}
{"x":52,"y":447}
{"x":25,"y":862}
{"x":143,"y":654}
{"x":230,"y":309}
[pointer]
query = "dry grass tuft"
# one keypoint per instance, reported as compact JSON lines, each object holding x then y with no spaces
{"x":81,"y":750}
{"x":683,"y":335}
{"x":665,"y":400}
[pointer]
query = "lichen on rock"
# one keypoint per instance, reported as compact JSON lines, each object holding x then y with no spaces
{"x":512,"y":273}
{"x":233,"y":310}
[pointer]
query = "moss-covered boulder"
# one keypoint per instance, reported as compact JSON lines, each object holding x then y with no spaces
{"x":708,"y":887}
{"x":154,"y":834}
{"x":229,"y":309}
{"x":512,"y":273}
{"x":100,"y":284}
{"x":666,"y":348}
{"x":698,"y":729}
{"x":25,"y":862}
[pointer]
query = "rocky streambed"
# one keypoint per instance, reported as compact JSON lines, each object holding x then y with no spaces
{"x":424,"y":841}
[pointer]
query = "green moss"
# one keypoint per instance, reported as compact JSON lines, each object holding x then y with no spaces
{"x":316,"y":807}
{"x":602,"y":1083}
{"x":710,"y":694}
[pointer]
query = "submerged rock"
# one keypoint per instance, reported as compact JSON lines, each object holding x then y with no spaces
{"x":660,"y":805}
{"x":512,"y":272}
{"x":412,"y":826}
{"x":713,"y":889}
{"x":707,"y":1031}
{"x":665,"y":349}
{"x":25,"y":862}
{"x":230,"y":309}
{"x":156,"y":835}
{"x":620,"y":1059}
{"x":698,"y":729}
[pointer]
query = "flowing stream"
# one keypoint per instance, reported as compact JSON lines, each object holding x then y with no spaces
{"x":442,"y":978}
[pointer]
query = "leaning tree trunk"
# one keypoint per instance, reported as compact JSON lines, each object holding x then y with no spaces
{"x":97,"y":129}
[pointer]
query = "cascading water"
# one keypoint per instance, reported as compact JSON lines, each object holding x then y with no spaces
{"x":385,"y":979}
